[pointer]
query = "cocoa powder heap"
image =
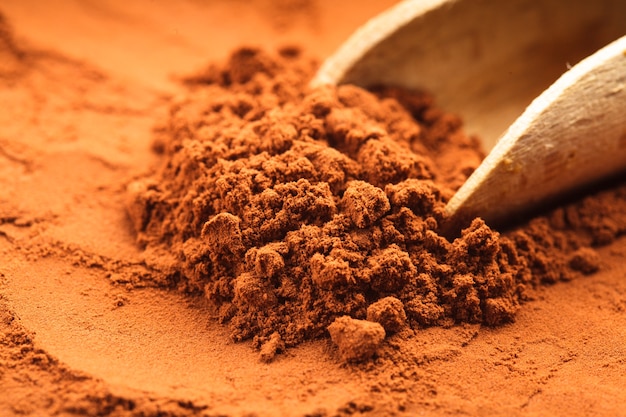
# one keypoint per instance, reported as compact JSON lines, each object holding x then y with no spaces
{"x":289,"y":207}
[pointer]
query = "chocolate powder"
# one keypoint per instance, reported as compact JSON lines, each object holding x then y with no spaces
{"x":289,"y":207}
{"x":565,"y":355}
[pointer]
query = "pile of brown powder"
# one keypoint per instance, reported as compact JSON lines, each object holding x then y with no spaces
{"x":289,"y":207}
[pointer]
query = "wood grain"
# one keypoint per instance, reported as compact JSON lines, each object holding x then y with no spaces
{"x":572,"y":135}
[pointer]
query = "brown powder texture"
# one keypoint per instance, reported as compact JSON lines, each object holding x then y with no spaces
{"x":78,"y":338}
{"x":289,"y":207}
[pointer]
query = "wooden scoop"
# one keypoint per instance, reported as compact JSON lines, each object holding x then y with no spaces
{"x":486,"y":60}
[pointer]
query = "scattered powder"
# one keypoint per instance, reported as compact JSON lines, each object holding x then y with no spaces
{"x":289,"y":207}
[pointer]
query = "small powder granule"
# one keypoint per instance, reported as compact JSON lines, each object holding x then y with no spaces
{"x":289,"y":207}
{"x":357,"y":340}
{"x":389,"y":312}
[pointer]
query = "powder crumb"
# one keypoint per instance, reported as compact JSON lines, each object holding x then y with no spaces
{"x":364,"y":203}
{"x":271,"y":347}
{"x":357,"y":340}
{"x":223,"y":235}
{"x":389,"y":312}
{"x":585,"y":260}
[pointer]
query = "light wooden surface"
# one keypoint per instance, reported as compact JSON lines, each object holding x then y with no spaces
{"x":486,"y":60}
{"x":572,"y":135}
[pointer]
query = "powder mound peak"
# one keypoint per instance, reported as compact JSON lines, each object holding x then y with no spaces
{"x":289,"y":207}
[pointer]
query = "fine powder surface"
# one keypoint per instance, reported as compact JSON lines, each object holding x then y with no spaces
{"x":289,"y":207}
{"x":122,"y":247}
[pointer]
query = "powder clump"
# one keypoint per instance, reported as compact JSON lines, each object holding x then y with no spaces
{"x":364,"y":203}
{"x":289,"y":207}
{"x":585,"y":260}
{"x":389,"y":312}
{"x":357,"y":340}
